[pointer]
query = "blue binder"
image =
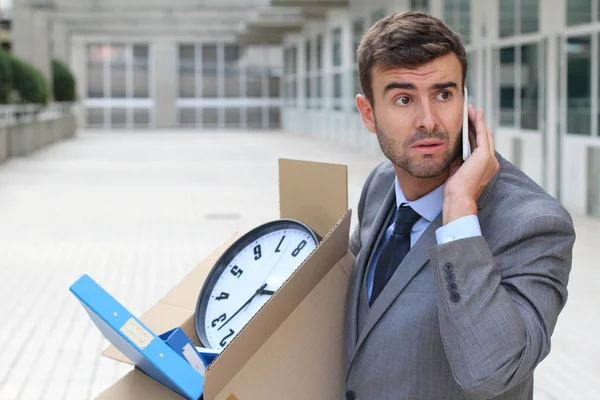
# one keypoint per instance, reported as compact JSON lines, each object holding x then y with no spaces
{"x":143,"y":347}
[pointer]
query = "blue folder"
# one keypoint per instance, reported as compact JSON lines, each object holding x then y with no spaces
{"x":135,"y":340}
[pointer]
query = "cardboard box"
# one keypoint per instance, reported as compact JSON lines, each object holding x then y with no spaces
{"x":293,"y":347}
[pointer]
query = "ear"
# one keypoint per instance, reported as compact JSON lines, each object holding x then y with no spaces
{"x":366,"y":112}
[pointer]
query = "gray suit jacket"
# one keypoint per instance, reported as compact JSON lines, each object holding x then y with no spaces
{"x":469,"y":319}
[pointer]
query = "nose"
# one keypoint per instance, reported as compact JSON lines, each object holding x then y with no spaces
{"x":427,"y":120}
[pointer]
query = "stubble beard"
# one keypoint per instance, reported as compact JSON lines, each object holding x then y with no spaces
{"x":424,"y":167}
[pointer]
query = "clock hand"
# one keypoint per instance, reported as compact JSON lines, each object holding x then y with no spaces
{"x":259,"y":291}
{"x":267,"y":292}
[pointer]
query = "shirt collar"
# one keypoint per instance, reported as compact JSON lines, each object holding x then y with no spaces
{"x":428,"y":206}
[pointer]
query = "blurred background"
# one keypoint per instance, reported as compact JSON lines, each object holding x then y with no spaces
{"x":136,"y":135}
{"x":291,"y":65}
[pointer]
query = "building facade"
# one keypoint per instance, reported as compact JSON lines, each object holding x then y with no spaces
{"x":533,"y":68}
{"x":291,"y":65}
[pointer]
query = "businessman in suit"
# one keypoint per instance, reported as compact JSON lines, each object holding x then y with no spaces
{"x":461,"y":267}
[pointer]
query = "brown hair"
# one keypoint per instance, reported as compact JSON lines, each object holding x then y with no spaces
{"x":406,"y":40}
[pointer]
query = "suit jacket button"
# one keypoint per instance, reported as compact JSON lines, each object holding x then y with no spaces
{"x":452,"y":287}
{"x":448,"y":267}
{"x":454,"y":297}
{"x":350,"y":395}
{"x":450,"y":277}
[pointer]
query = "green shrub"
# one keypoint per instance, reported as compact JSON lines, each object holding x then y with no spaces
{"x":63,"y":82}
{"x":5,"y":77}
{"x":28,"y":82}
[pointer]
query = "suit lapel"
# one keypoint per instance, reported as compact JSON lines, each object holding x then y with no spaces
{"x":363,"y":261}
{"x":416,"y":259}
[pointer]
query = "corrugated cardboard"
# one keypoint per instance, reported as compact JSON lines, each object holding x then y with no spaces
{"x":292,"y":348}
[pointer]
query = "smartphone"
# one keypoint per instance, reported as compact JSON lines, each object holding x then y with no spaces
{"x":466,"y":150}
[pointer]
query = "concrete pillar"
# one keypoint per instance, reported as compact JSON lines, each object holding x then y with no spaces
{"x":30,"y":37}
{"x":78,"y":62}
{"x":166,"y":75}
{"x":60,"y":42}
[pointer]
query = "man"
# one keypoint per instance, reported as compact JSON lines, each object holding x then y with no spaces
{"x":469,"y":312}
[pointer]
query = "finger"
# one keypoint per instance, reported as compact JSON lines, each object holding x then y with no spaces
{"x":482,"y":133}
{"x":489,"y":133}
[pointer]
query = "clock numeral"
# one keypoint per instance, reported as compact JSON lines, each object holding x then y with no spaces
{"x":223,"y":296}
{"x":281,"y":241}
{"x":224,"y":341}
{"x":222,"y":318}
{"x":300,"y":247}
{"x":257,"y":252}
{"x":236,"y":271}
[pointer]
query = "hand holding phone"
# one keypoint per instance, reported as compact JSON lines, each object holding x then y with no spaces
{"x":467,"y":180}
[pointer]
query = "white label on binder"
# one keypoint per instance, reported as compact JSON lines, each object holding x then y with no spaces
{"x":194,"y":359}
{"x":137,"y":333}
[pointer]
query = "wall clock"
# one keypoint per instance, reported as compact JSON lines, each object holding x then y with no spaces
{"x":248,"y":273}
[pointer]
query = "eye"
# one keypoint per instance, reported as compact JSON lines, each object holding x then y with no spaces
{"x":444,"y":96}
{"x":403,"y":100}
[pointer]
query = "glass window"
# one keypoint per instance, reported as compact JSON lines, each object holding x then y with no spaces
{"x":187,"y":117}
{"x":307,"y":91}
{"x":141,"y":118}
{"x":530,"y":92}
{"x":118,"y":74}
{"x":232,"y":117}
{"x":210,"y":117}
{"x":358,"y":28}
{"x":307,"y":56}
{"x":457,"y":14}
{"x":274,"y":117}
{"x":471,"y":77}
{"x":507,"y":18}
{"x":337,"y":47}
{"x":319,"y":91}
{"x":507,"y":86}
{"x":422,"y":5}
{"x":377,"y":15}
{"x":95,"y":117}
{"x":253,"y":61}
{"x":464,"y":19}
{"x":579,"y":11}
{"x":254,"y":82}
{"x":141,"y":86}
{"x":274,"y":84}
{"x":231,"y":70}
{"x":118,"y":118}
{"x":254,"y":118}
{"x":187,"y":77}
{"x":210,"y":84}
{"x":319,"y":52}
{"x":530,"y":14}
{"x":579,"y":80}
{"x":95,"y":70}
{"x":337,"y":91}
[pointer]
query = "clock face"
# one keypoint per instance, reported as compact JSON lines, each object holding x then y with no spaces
{"x":247,"y":275}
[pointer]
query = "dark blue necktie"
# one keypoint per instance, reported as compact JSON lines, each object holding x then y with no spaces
{"x":394,"y":250}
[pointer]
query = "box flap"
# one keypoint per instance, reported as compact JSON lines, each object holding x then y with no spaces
{"x":304,"y":358}
{"x":175,"y":308}
{"x":313,"y":193}
{"x":332,"y":248}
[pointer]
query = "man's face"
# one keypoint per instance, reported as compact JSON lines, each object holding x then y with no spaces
{"x":417,"y":115}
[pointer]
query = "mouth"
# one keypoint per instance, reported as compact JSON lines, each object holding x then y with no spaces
{"x":428,"y":146}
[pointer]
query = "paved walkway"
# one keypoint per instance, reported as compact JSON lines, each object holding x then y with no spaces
{"x":138,"y":211}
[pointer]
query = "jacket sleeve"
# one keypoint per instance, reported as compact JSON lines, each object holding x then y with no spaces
{"x":497,"y":312}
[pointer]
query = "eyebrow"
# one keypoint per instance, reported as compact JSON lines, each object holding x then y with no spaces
{"x":410,"y":86}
